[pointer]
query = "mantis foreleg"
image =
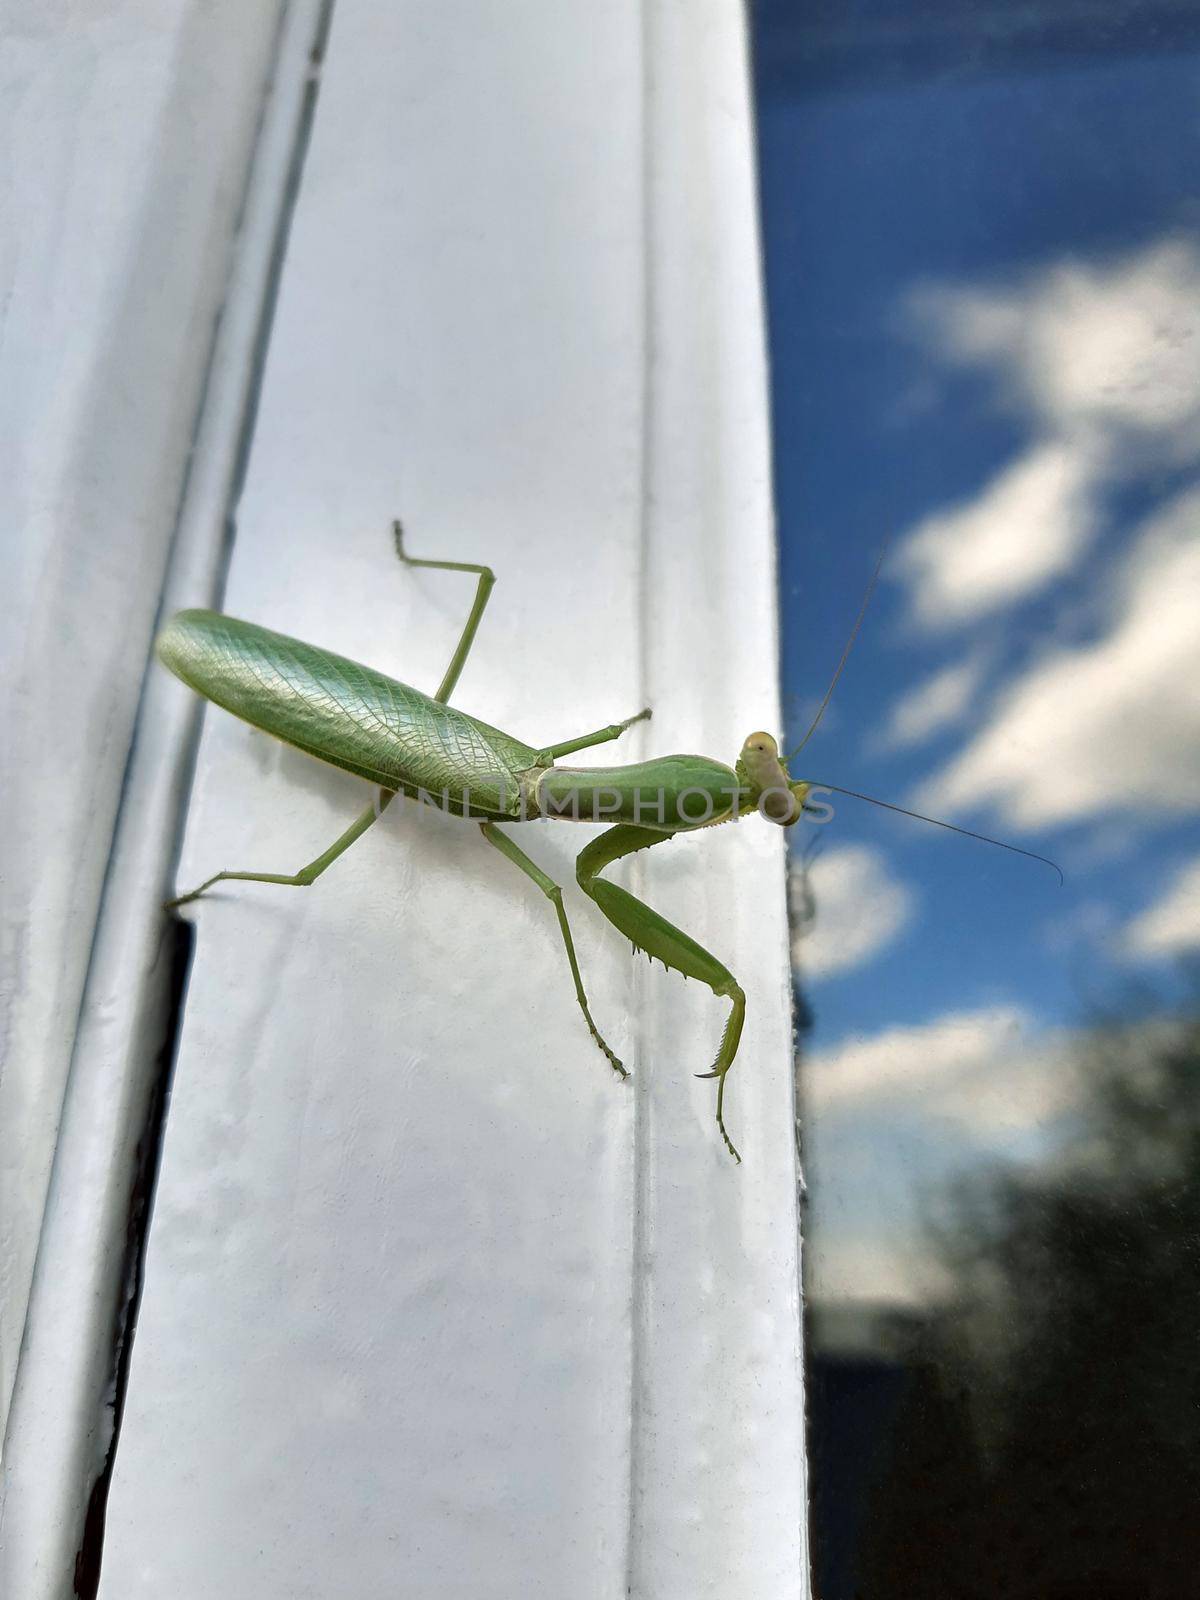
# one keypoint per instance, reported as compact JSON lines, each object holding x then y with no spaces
{"x":553,"y":893}
{"x":657,"y":937}
{"x":314,"y":869}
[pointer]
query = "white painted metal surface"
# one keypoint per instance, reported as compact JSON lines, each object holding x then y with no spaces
{"x":114,"y":255}
{"x":61,"y":1420}
{"x":433,"y":1305}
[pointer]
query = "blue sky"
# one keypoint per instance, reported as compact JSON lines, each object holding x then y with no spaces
{"x":984,"y":298}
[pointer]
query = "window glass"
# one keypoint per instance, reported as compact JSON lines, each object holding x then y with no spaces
{"x":982,"y":238}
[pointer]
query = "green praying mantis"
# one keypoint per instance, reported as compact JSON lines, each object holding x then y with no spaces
{"x":405,"y":742}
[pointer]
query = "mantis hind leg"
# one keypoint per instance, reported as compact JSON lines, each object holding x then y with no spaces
{"x":553,"y":893}
{"x":306,"y":875}
{"x":657,"y":937}
{"x":486,"y":579}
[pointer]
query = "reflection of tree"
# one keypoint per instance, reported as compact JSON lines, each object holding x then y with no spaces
{"x":1049,"y":1443}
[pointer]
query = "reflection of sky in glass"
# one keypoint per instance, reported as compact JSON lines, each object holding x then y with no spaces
{"x":984,"y":294}
{"x":982,"y":238}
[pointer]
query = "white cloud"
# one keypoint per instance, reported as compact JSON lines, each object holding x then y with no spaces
{"x":934,"y":705}
{"x":1090,"y":351}
{"x":989,"y":1073}
{"x":1108,"y":728}
{"x":1172,"y":925}
{"x":893,"y":1267}
{"x":859,"y":908}
{"x":909,"y":1061}
{"x":1023,"y":530}
{"x":1103,"y":362}
{"x":1028,"y":1086}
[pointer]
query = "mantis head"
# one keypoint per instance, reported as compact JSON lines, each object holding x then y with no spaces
{"x":765,"y":776}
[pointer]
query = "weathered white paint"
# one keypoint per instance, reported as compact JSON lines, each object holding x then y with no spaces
{"x":114,"y":254}
{"x":60,"y":1422}
{"x":433,"y":1305}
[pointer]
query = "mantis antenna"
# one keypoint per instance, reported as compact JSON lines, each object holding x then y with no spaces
{"x":918,"y":816}
{"x":968,"y":833}
{"x":858,"y":622}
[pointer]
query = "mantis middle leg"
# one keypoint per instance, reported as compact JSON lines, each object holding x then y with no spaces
{"x":553,"y":893}
{"x":657,"y":937}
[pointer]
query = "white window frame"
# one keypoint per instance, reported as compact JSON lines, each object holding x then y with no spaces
{"x":432,"y":1304}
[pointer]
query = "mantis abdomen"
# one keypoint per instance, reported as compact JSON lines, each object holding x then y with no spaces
{"x":347,"y":714}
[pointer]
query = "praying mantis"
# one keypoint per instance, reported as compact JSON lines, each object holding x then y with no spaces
{"x":402,"y":741}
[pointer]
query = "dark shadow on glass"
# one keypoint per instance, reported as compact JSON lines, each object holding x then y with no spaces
{"x":1037,"y":1436}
